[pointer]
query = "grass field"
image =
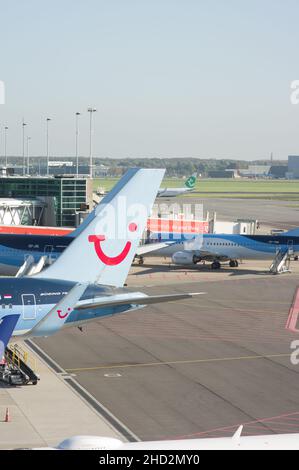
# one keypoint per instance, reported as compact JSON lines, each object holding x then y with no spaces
{"x":287,"y":190}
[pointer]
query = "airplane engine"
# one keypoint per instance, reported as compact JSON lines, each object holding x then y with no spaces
{"x":185,"y":257}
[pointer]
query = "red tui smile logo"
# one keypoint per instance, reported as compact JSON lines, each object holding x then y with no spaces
{"x":111,"y":260}
{"x":63,"y":315}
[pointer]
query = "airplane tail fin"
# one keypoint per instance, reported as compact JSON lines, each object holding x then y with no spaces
{"x":104,"y":249}
{"x":191,"y":181}
{"x":7,"y":327}
{"x":58,"y":315}
{"x":294,"y":232}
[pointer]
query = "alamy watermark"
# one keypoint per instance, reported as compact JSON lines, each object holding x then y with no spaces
{"x":295,"y":353}
{"x":294,"y":96}
{"x":165,"y":222}
{"x":2,"y":92}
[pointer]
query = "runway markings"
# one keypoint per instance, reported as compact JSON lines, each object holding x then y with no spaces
{"x":236,"y":309}
{"x":112,"y":376}
{"x":260,"y":424}
{"x":170,"y":363}
{"x":239,"y":301}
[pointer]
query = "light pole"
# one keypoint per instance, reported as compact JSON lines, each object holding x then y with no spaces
{"x":91,"y":111}
{"x":5,"y":142}
{"x":47,"y":121}
{"x":28,"y":142}
{"x":23,"y":129}
{"x":77,"y":137}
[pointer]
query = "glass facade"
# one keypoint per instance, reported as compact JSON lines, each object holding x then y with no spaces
{"x":69,"y":194}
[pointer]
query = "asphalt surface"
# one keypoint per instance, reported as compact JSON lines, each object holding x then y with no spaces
{"x":279,"y":214}
{"x":196,"y":368}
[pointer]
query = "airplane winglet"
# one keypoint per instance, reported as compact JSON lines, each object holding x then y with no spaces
{"x":238,"y":433}
{"x":7,"y":327}
{"x":58,"y":315}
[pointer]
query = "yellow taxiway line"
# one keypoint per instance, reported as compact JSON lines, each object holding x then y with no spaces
{"x":170,"y":363}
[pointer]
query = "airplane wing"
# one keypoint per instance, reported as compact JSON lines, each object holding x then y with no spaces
{"x":135,"y":300}
{"x":58,"y":315}
{"x":143,"y":249}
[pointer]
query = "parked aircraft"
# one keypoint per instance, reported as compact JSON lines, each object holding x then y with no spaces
{"x":222,"y":247}
{"x":35,"y":251}
{"x":236,"y":442}
{"x":86,"y":282}
{"x":16,"y":249}
{"x":173,"y":192}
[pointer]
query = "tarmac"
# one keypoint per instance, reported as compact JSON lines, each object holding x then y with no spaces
{"x":271,"y":213}
{"x":45,"y":414}
{"x":195,"y":368}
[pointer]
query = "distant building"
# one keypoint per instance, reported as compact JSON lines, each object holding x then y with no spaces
{"x":63,"y":197}
{"x":66,"y":168}
{"x":10,"y":171}
{"x":236,"y":173}
{"x":293,"y":167}
{"x":256,"y":171}
{"x":221,"y":174}
{"x":101,"y":171}
{"x":278,"y":171}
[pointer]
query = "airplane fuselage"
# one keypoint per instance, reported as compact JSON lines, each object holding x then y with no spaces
{"x":172,"y":192}
{"x":229,"y":246}
{"x":18,"y":296}
{"x":15,"y":248}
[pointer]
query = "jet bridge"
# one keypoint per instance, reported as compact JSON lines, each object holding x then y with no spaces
{"x":21,"y":212}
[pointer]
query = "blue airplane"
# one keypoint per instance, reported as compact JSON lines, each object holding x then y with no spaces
{"x":86,"y":282}
{"x":186,"y":249}
{"x":16,"y":248}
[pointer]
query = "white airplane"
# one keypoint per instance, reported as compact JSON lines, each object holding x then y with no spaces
{"x":236,"y":442}
{"x":173,"y":192}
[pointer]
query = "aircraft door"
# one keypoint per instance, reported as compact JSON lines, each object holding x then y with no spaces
{"x":29,"y":306}
{"x":48,"y":251}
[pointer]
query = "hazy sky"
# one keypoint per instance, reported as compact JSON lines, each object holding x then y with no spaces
{"x":206,"y":78}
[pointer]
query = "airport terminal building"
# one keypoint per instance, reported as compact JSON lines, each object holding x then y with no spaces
{"x":63,"y":197}
{"x":293,"y":167}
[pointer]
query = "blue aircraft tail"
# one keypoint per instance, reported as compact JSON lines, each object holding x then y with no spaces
{"x":294,"y":232}
{"x":7,"y":327}
{"x":106,"y":244}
